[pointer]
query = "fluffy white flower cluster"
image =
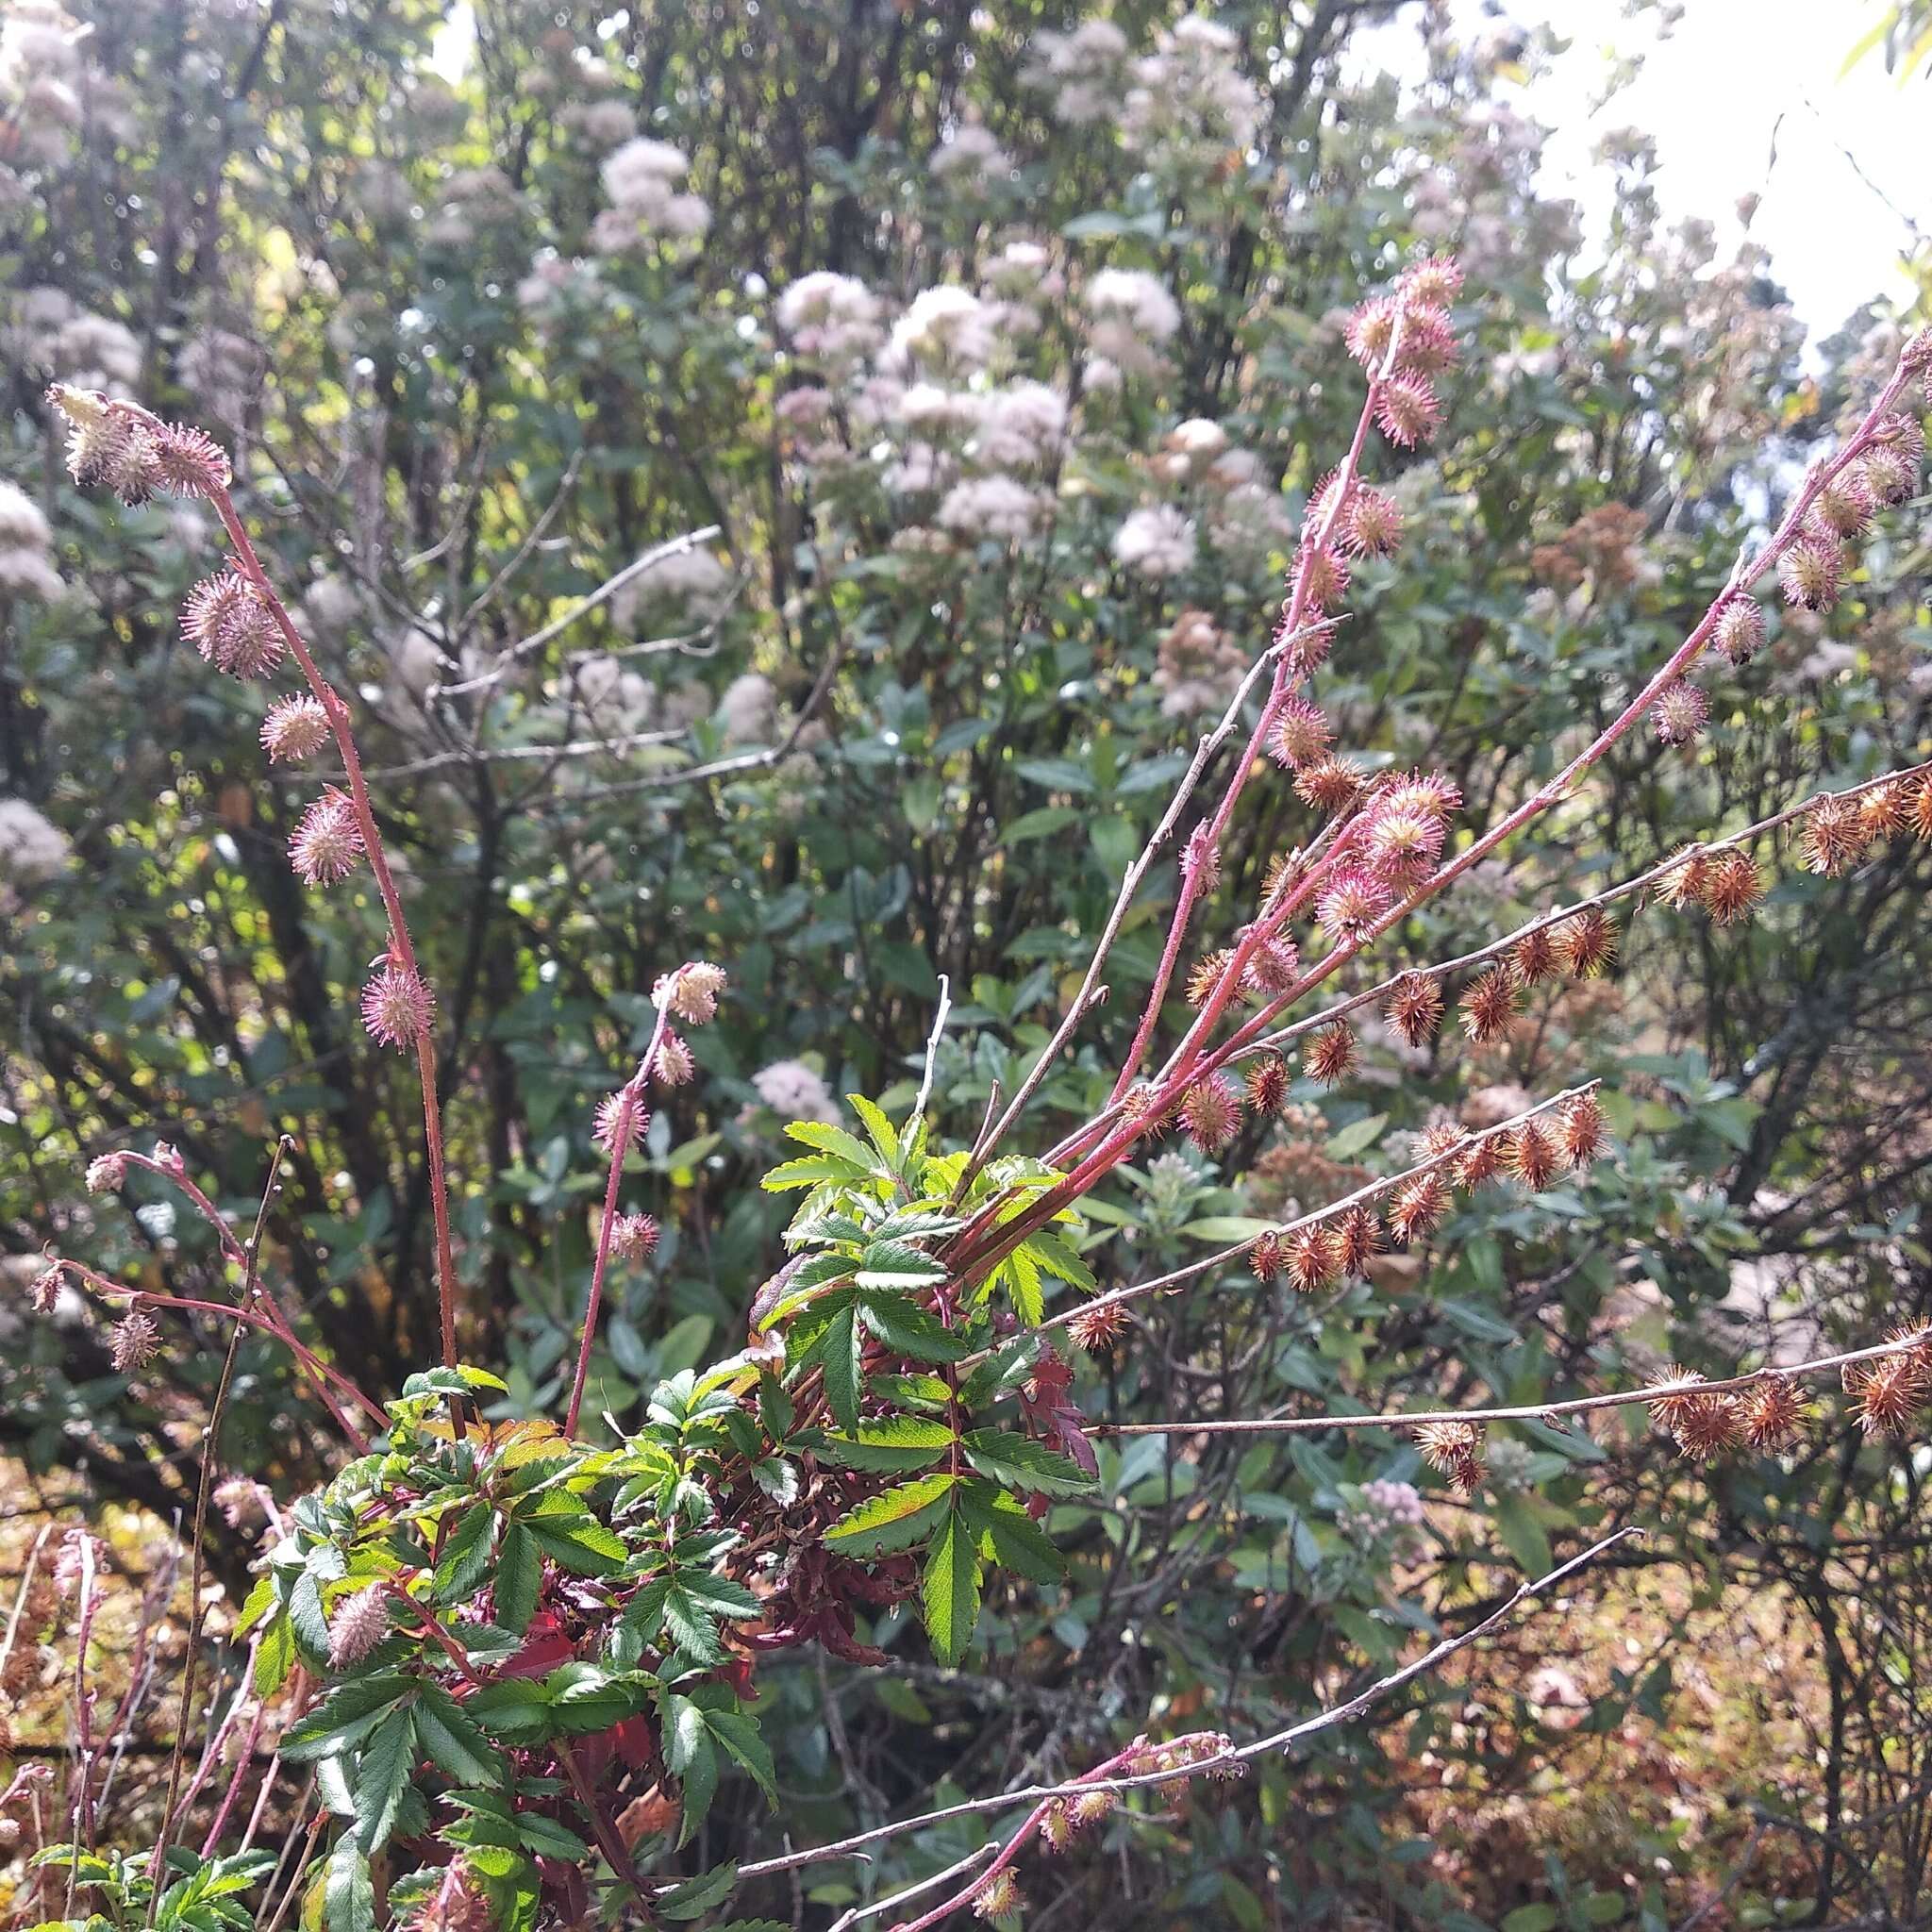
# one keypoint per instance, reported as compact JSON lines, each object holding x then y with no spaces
{"x":27,"y":544}
{"x":692,"y":584}
{"x":474,"y":201}
{"x":49,"y":334}
{"x":1190,"y":103}
{"x":748,"y":713}
{"x":646,"y":204}
{"x":795,"y":1092}
{"x":1156,"y":541}
{"x":1197,"y":667}
{"x":1085,"y":70}
{"x":224,"y":371}
{"x":971,"y":160}
{"x":32,"y":847}
{"x":598,"y":124}
{"x":831,"y":317}
{"x":1132,"y":313}
{"x":1000,"y":507}
{"x":945,"y":327}
{"x":43,"y":86}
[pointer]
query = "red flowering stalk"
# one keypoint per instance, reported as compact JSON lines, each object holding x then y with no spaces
{"x":240,"y":624}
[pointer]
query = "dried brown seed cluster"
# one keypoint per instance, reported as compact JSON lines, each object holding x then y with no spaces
{"x":1455,"y":1451}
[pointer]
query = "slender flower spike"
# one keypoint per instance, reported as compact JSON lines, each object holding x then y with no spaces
{"x":1810,"y":572}
{"x":230,"y":623}
{"x":294,"y":728}
{"x":328,"y":842}
{"x":397,"y":1006}
{"x":1330,"y":1056}
{"x":1454,"y":1450}
{"x":1406,"y":411}
{"x":1488,"y":1005}
{"x":634,"y":1237}
{"x":1739,"y":632}
{"x":1414,"y":1007}
{"x":1732,"y":886}
{"x":1211,"y":1113}
{"x":360,"y":1623}
{"x":620,"y":1122}
{"x":135,"y":1343}
{"x":691,"y":993}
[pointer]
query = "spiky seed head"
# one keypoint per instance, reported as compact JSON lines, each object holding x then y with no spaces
{"x":1586,"y":944}
{"x":1092,"y":1808}
{"x":44,"y":1290}
{"x":134,"y":1343}
{"x":1885,"y":809}
{"x":1211,"y":1112}
{"x":1739,"y":632}
{"x":1810,"y":571}
{"x":1301,"y":734}
{"x":1438,"y":280}
{"x":1682,"y":711}
{"x":1774,"y":1413}
{"x":359,"y":1623}
{"x":1206,"y":975}
{"x":110,"y":444}
{"x":1357,"y":1240}
{"x":1440,"y":1138}
{"x":1732,"y":886}
{"x":1327,"y":784}
{"x":1429,"y":343}
{"x":1429,"y":792}
{"x":294,"y":728}
{"x":1274,"y":966}
{"x":1683,"y":885}
{"x":674,"y":1065}
{"x":327,"y":841}
{"x":1407,"y":409}
{"x":1455,"y":1451}
{"x":1533,"y":958}
{"x":1268,"y":1256}
{"x":1372,"y":525}
{"x":1488,"y":1005}
{"x":1922,"y":810}
{"x":1312,"y":1263}
{"x":397,"y":1005}
{"x":999,"y":1897}
{"x":1417,"y":1206}
{"x":1832,"y":836}
{"x":1414,"y":1007}
{"x":1581,"y":1130}
{"x":1330,"y":1056}
{"x":1533,"y":1156}
{"x":230,"y":622}
{"x":1268,"y":1082}
{"x":1480,"y":1161}
{"x":1320,"y":578}
{"x":1701,"y":1423}
{"x":1353,"y":897}
{"x":620,"y":1122}
{"x":1099,"y":1325}
{"x":1201,"y":860}
{"x":1371,"y":329}
{"x":1138,"y":1106}
{"x":691,"y":993}
{"x":106,"y":1172}
{"x":189,"y":462}
{"x":1889,"y":1393}
{"x":1905,"y":434}
{"x":1890,"y":475}
{"x":1844,"y":507}
{"x":1055,"y":1827}
{"x":634,"y":1237}
{"x":1403,"y":842}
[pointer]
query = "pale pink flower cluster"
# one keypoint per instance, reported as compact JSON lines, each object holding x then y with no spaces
{"x":1084,"y":69}
{"x":795,"y":1091}
{"x":1190,"y":103}
{"x":27,"y":549}
{"x":647,"y":206}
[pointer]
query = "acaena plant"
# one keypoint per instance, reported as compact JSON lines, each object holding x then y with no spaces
{"x":490,"y":1638}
